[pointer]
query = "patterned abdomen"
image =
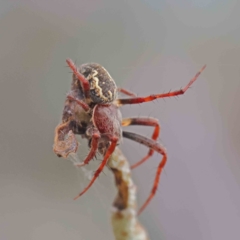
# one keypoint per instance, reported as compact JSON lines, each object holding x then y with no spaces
{"x":102,"y":87}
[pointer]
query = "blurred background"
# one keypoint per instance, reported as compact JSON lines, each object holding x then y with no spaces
{"x":148,"y":46}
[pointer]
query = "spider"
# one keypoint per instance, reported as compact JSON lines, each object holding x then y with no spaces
{"x":92,"y":110}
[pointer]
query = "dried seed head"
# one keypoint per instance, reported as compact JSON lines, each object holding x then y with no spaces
{"x":102,"y":87}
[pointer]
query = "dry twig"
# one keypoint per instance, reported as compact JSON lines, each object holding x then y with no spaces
{"x":124,"y":217}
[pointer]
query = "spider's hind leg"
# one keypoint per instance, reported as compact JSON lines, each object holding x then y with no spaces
{"x":107,"y":155}
{"x":144,"y":122}
{"x":126,"y":92}
{"x":156,"y":147}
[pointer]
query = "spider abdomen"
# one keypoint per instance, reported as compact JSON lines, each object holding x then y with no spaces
{"x":102,"y":86}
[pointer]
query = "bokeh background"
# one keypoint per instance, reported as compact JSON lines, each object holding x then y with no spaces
{"x":148,"y":46}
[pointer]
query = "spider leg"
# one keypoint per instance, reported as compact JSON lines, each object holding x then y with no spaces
{"x":126,"y":92}
{"x":152,"y":97}
{"x":145,"y":122}
{"x":81,"y":78}
{"x":93,"y":150}
{"x":110,"y":150}
{"x":62,"y":147}
{"x":79,"y":102}
{"x":156,"y":147}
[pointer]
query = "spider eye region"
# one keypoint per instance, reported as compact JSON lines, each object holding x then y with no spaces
{"x":103,"y":89}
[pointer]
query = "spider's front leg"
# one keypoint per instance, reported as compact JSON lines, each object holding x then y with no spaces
{"x":94,"y":147}
{"x":152,"y":97}
{"x":84,"y":82}
{"x":108,"y":153}
{"x":144,"y":122}
{"x":106,"y":119}
{"x":79,"y":102}
{"x":156,"y":147}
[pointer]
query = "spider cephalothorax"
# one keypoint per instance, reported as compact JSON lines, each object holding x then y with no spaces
{"x":92,"y":111}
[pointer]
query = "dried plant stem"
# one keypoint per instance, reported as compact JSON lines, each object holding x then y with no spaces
{"x":124,"y":217}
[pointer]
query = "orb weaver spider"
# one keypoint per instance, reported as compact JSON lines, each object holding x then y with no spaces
{"x":92,"y":111}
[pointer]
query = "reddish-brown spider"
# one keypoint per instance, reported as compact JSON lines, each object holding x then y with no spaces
{"x":92,"y":111}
